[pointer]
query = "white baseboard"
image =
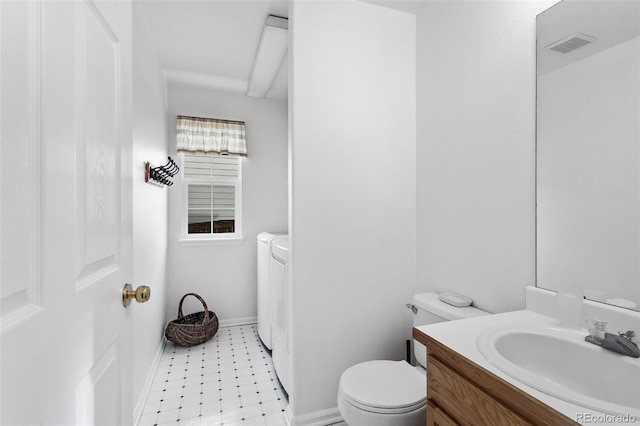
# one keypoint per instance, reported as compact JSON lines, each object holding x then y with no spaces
{"x":142,"y":398}
{"x":319,"y":418}
{"x":237,"y":321}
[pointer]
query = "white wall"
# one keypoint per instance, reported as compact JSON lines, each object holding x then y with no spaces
{"x":149,"y":203}
{"x":225,"y":274}
{"x":352,"y":232}
{"x":476,"y":149}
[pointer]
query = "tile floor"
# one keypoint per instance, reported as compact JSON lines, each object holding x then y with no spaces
{"x":228,"y":380}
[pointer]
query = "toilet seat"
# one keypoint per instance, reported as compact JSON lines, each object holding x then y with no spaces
{"x":384,"y":387}
{"x":378,"y":410}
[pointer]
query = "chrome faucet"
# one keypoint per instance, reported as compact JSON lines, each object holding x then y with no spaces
{"x":621,"y":343}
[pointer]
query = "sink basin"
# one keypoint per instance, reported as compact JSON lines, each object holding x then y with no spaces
{"x":558,"y":362}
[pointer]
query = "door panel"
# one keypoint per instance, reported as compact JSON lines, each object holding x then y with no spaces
{"x":97,"y":399}
{"x":97,"y":94}
{"x":66,"y":212}
{"x":19,"y":173}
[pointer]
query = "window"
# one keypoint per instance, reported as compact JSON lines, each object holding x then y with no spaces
{"x":212,"y":184}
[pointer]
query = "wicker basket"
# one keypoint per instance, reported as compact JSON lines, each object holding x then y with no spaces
{"x":192,"y":329}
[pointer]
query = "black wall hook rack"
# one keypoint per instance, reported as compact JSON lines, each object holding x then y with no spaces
{"x":160,"y":175}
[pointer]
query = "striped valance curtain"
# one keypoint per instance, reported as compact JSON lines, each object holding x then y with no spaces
{"x":210,"y":135}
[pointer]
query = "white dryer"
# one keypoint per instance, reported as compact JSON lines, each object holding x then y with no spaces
{"x":280,"y":325}
{"x":265,"y":239}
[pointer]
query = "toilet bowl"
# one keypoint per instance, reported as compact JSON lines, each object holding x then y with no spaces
{"x":394,"y":393}
{"x":381,"y":393}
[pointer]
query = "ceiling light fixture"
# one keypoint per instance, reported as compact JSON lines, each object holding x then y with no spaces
{"x":271,"y":50}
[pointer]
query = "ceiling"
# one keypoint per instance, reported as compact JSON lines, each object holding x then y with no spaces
{"x":213,"y":43}
{"x":411,"y":6}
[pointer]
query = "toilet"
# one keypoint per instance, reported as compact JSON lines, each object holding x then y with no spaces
{"x":394,"y":393}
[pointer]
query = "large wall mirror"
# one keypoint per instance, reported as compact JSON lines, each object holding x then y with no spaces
{"x":588,"y":150}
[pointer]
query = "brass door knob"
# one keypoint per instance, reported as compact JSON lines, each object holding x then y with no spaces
{"x":141,"y":294}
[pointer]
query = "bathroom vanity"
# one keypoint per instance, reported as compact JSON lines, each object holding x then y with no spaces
{"x":461,"y":392}
{"x":529,"y":368}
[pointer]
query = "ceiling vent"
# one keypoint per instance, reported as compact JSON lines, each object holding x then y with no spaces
{"x":570,"y":43}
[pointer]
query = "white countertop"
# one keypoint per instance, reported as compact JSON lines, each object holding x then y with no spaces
{"x":461,"y":336}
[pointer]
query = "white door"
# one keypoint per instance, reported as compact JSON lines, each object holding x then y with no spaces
{"x":65,"y":199}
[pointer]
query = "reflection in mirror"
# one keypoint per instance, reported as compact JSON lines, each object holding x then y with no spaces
{"x":588,"y":150}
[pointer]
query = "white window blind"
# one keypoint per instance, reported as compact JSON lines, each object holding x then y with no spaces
{"x":210,"y":166}
{"x":213,"y":194}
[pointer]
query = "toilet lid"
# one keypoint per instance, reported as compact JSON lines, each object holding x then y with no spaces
{"x":384,"y":385}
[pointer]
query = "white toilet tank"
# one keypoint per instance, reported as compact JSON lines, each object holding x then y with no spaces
{"x":431,"y":310}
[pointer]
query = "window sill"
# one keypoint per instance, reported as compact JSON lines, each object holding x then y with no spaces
{"x":207,"y":242}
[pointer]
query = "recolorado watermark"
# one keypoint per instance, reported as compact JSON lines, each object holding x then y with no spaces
{"x":585,"y":418}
